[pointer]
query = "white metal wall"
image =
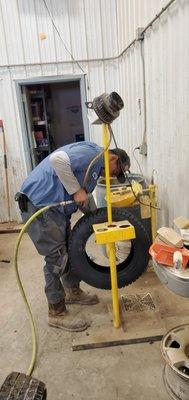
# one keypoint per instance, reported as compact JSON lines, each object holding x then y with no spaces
{"x":98,"y":30}
{"x":166,"y":51}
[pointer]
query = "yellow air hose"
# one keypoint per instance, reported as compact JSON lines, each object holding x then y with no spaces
{"x":20,"y":285}
{"x":96,"y":158}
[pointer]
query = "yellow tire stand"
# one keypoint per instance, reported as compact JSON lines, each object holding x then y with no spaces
{"x":110,"y":232}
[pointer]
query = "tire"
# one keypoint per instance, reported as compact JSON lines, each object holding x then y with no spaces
{"x":18,"y":386}
{"x":97,"y":275}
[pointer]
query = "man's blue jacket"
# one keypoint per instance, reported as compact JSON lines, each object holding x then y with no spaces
{"x":43,"y":187}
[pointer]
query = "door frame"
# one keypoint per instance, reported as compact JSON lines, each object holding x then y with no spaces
{"x":43,"y":80}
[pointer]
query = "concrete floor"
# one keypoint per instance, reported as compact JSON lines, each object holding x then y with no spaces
{"x":123,"y":372}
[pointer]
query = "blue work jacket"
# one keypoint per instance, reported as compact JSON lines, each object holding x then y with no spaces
{"x":43,"y":187}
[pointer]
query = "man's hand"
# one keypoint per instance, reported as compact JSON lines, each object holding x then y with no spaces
{"x":81,"y":197}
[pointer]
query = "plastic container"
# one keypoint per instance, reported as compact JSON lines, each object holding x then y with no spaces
{"x":163,"y":254}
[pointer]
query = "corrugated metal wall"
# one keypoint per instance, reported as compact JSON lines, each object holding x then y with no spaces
{"x":166,"y":52}
{"x":100,"y":30}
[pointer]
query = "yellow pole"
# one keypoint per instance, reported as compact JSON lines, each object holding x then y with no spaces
{"x":111,"y":246}
{"x":152,"y":189}
{"x":113,"y":273}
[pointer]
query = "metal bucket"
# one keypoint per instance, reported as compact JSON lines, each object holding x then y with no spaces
{"x":175,"y":350}
{"x":176,"y":280}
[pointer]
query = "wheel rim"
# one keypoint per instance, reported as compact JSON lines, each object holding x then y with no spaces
{"x":175,"y":350}
{"x":105,"y":268}
{"x":98,"y":253}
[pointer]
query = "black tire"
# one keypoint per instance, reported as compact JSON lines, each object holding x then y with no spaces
{"x":99,"y":276}
{"x":18,"y":386}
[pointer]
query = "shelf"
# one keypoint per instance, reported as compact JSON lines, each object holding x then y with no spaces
{"x":36,"y":95}
{"x":39,"y":124}
{"x":42,"y":149}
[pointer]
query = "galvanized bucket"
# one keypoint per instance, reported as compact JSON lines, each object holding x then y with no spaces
{"x":176,"y":280}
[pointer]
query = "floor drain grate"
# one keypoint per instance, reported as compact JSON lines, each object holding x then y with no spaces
{"x":138,"y":302}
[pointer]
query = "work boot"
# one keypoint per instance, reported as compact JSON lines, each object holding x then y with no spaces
{"x":59,"y":317}
{"x":75,"y":295}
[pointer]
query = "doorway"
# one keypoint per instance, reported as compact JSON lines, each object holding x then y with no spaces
{"x":53,"y":113}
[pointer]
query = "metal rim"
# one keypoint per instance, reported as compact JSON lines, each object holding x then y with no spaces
{"x":167,"y":387}
{"x":175,"y":350}
{"x":120,"y":263}
{"x":122,"y":252}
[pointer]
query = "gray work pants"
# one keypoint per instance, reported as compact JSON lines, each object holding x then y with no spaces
{"x":50,"y":233}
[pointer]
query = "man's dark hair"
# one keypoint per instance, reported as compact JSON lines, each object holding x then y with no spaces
{"x":123,"y":156}
{"x":123,"y":160}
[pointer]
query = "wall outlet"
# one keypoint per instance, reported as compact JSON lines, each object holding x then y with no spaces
{"x":143,"y":149}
